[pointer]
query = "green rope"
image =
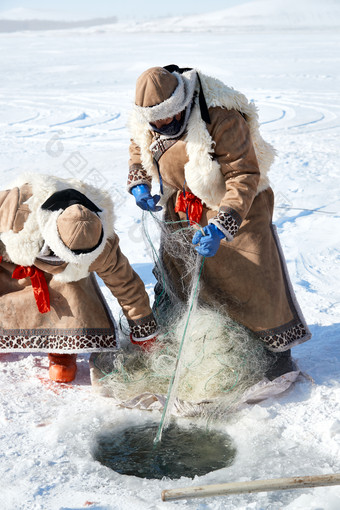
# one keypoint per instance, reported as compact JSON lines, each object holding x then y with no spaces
{"x":127,"y":375}
{"x":160,"y":428}
{"x":153,"y":249}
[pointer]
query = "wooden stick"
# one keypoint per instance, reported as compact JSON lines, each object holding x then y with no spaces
{"x":275,"y":484}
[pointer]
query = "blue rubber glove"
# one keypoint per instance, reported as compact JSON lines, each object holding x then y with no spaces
{"x":143,"y":197}
{"x":209,"y":243}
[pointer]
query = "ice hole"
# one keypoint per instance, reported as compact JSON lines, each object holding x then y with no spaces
{"x":185,"y":452}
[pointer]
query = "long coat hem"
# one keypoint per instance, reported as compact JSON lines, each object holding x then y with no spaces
{"x":77,"y":318}
{"x":57,"y":340}
{"x":296,"y":331}
{"x":267,"y":306}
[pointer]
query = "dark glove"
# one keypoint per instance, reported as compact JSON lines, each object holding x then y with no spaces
{"x":209,"y":242}
{"x":144,"y":199}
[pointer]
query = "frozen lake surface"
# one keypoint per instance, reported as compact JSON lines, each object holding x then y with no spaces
{"x":64,"y":101}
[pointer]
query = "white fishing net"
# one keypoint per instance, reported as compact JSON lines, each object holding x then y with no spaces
{"x":219,"y":359}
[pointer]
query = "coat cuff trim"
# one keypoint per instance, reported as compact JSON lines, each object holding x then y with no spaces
{"x":137,"y":175}
{"x":228,"y":221}
{"x":144,"y":328}
{"x":285,"y":337}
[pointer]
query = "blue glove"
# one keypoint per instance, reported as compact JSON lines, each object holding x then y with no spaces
{"x":209,"y":243}
{"x":143,"y":197}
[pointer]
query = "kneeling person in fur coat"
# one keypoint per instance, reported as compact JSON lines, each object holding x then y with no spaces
{"x":199,"y":140}
{"x":54,"y":235}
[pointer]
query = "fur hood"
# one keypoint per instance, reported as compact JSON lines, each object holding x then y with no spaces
{"x":39,"y":228}
{"x":202,"y":172}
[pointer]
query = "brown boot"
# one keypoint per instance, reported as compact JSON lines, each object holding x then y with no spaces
{"x":63,"y":367}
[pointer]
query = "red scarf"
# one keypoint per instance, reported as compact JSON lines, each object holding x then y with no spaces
{"x":39,"y":285}
{"x":191,"y":205}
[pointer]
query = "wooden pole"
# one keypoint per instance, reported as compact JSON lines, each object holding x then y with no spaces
{"x":275,"y":484}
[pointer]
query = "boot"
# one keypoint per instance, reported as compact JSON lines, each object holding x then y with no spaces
{"x":282,"y":364}
{"x":63,"y":367}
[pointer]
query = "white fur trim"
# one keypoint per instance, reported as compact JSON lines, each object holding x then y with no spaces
{"x":78,"y":265}
{"x":202,"y":173}
{"x":142,"y":135}
{"x":176,"y":103}
{"x":218,"y":94}
{"x":41,"y":226}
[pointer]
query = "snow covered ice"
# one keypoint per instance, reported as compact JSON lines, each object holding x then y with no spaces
{"x":64,"y":100}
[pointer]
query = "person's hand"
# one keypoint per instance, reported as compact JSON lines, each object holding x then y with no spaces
{"x":145,"y":345}
{"x":209,"y":241}
{"x":144,"y":199}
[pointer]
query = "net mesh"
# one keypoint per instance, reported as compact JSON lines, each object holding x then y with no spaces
{"x":220,"y":359}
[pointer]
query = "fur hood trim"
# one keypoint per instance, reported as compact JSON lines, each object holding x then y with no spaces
{"x":40,"y":227}
{"x":176,"y":103}
{"x":202,"y":172}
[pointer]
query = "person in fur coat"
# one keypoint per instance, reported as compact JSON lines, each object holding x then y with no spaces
{"x":200,"y":141}
{"x":54,"y":235}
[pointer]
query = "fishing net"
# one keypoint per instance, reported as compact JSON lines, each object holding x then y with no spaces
{"x":219,"y":359}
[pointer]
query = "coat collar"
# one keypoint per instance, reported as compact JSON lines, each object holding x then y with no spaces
{"x":40,"y":226}
{"x":202,"y":172}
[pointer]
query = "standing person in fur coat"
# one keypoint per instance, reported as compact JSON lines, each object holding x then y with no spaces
{"x":200,"y":140}
{"x":54,"y":235}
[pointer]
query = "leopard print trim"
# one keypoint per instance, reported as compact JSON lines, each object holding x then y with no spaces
{"x":143,"y":328}
{"x":137,"y":175}
{"x":284,"y":337}
{"x":228,"y":221}
{"x":46,"y":341}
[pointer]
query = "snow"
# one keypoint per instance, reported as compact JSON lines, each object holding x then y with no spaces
{"x":24,"y":14}
{"x":277,"y":13}
{"x":256,"y":15}
{"x":64,"y":101}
